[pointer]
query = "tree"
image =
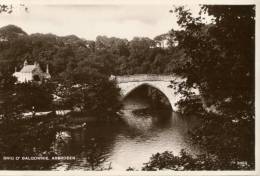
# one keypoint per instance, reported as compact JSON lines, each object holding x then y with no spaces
{"x":221,"y":65}
{"x":34,"y":96}
{"x":98,"y":97}
{"x":8,"y":106}
{"x":186,"y":162}
{"x":22,"y":97}
{"x":112,"y":45}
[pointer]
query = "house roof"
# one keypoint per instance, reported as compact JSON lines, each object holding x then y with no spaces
{"x":28,"y":68}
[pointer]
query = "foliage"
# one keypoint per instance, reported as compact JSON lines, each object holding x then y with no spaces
{"x":29,"y":137}
{"x":25,"y":97}
{"x":104,"y":55}
{"x":221,"y":65}
{"x":8,"y":105}
{"x":32,"y":95}
{"x":186,"y":162}
{"x":98,"y":98}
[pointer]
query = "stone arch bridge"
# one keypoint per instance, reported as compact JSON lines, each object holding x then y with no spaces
{"x":163,"y":83}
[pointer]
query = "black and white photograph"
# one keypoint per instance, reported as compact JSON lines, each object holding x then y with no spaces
{"x":127,"y":86}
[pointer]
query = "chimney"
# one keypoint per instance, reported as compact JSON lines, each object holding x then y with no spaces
{"x":47,"y":69}
{"x":36,"y":64}
{"x":25,"y":63}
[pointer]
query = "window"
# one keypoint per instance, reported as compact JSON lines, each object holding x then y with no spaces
{"x":36,"y":78}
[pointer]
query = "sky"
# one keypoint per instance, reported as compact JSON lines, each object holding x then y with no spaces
{"x":88,"y":19}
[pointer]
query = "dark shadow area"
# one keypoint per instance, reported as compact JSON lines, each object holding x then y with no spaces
{"x":154,"y":100}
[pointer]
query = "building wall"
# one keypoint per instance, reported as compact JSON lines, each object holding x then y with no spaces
{"x":23,"y":77}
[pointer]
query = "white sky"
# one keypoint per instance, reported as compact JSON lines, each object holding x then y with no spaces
{"x":87,"y":18}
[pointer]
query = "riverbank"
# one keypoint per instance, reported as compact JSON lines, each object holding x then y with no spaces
{"x":76,"y":120}
{"x":63,"y":120}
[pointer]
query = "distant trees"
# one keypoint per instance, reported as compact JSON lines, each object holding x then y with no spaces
{"x":113,"y":45}
{"x":109,"y":55}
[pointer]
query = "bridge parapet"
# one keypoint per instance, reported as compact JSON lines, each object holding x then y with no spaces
{"x":145,"y":77}
{"x":128,"y":83}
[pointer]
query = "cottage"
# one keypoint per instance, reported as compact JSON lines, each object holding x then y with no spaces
{"x":31,"y":73}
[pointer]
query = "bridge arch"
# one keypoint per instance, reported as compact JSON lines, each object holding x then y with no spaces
{"x":162,"y":86}
{"x":132,"y":89}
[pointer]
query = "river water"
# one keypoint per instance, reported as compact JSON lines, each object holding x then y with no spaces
{"x":127,"y":144}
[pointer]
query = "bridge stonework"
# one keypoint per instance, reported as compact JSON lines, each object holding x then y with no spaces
{"x":129,"y":83}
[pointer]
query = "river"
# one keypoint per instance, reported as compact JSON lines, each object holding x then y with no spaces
{"x":127,"y":144}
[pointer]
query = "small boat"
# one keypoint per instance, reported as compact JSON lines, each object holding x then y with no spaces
{"x":75,"y":127}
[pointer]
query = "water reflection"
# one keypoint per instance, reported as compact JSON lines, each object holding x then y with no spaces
{"x":157,"y":136}
{"x":130,"y":143}
{"x":113,"y":146}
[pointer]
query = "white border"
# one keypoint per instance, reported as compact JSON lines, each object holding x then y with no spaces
{"x":132,"y":173}
{"x":127,"y":2}
{"x":170,"y":2}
